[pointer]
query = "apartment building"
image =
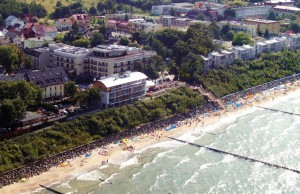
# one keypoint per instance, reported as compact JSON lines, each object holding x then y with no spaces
{"x":279,"y":2}
{"x":114,"y":59}
{"x":181,"y":9}
{"x":250,"y":29}
{"x":70,"y":58}
{"x":118,"y":90}
{"x":39,"y":57}
{"x":167,"y":20}
{"x":294,"y":41}
{"x":37,"y":42}
{"x":245,"y":52}
{"x":282,"y":9}
{"x":252,"y":11}
{"x":142,"y":25}
{"x":262,"y":25}
{"x":217,"y":59}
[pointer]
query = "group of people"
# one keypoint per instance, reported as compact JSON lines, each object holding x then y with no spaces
{"x":260,"y":88}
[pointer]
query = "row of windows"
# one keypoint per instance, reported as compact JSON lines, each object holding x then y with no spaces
{"x":67,"y":65}
{"x":67,"y":60}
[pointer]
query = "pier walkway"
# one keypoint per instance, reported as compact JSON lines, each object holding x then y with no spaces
{"x":236,"y":155}
{"x":276,"y":110}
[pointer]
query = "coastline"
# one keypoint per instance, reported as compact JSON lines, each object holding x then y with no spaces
{"x":117,"y":155}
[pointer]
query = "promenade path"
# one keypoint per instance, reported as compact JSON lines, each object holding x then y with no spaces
{"x":210,"y":96}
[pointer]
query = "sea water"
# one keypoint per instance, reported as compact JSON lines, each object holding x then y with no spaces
{"x":174,"y":167}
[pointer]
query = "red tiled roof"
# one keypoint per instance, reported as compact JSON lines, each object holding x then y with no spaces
{"x":64,"y":20}
{"x":46,"y":28}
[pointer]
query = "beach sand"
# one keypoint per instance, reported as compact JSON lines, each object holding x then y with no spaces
{"x":81,"y":164}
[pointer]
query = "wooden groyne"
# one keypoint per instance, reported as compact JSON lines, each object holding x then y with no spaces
{"x":52,"y":190}
{"x":276,"y":110}
{"x":236,"y":155}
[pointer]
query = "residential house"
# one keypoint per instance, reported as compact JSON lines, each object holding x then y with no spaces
{"x":83,"y":20}
{"x":45,"y":30}
{"x":28,"y":30}
{"x":15,"y":37}
{"x":117,"y":25}
{"x":118,"y":90}
{"x":39,"y":57}
{"x":37,"y":42}
{"x":50,"y":80}
{"x":63,"y":24}
{"x":13,"y":21}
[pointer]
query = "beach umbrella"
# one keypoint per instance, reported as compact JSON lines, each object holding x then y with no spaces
{"x":23,"y":180}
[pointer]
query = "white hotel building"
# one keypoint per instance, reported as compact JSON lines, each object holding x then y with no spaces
{"x":118,"y":90}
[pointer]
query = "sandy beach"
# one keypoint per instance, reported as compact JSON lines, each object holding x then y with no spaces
{"x":116,"y":155}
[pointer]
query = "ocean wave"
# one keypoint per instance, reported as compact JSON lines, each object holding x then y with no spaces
{"x":90,"y":176}
{"x":184,"y":160}
{"x":66,"y":185}
{"x":192,"y":179}
{"x":129,"y":162}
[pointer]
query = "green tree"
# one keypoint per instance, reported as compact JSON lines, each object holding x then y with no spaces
{"x":27,"y":63}
{"x":229,"y":14}
{"x":82,"y":42}
{"x":124,"y":41}
{"x":272,"y":15}
{"x":295,"y":27}
{"x":75,"y":27}
{"x":225,"y":29}
{"x":96,"y":39}
{"x":201,"y":17}
{"x":229,"y":36}
{"x":58,"y":4}
{"x":267,"y":34}
{"x":70,"y":88}
{"x":241,"y":38}
{"x":10,"y":110}
{"x":173,"y":12}
{"x":9,"y":58}
{"x":93,"y":11}
{"x":215,"y":30}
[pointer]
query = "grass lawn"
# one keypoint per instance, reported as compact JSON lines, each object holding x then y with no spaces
{"x":50,"y":4}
